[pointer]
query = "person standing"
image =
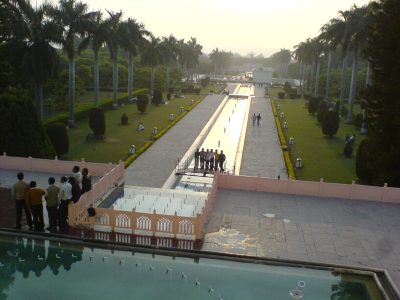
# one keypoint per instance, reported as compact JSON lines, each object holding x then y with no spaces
{"x":76,"y":173}
{"x":196,"y":159}
{"x":86,"y":181}
{"x":212,"y":158}
{"x":76,"y":191}
{"x":34,"y":201}
{"x":52,"y":204}
{"x":258,"y":119}
{"x":64,"y":197}
{"x":202,"y":158}
{"x":253,"y":118}
{"x":222,"y":159}
{"x":18,"y":192}
{"x":216,"y":160}
{"x":207,"y":160}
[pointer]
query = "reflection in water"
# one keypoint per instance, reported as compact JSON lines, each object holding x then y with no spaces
{"x":28,"y":256}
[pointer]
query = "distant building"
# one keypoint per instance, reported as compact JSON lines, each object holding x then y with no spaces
{"x":262,"y":75}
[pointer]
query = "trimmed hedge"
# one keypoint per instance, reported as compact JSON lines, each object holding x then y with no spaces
{"x":57,"y":132}
{"x":84,"y":112}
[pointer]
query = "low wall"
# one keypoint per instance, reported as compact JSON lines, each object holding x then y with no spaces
{"x":51,"y":166}
{"x":310,"y":188}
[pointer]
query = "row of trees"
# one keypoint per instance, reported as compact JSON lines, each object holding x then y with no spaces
{"x":344,"y":37}
{"x":35,"y":32}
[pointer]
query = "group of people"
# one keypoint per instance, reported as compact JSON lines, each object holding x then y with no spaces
{"x":256,"y":118}
{"x":29,"y":197}
{"x":209,"y":160}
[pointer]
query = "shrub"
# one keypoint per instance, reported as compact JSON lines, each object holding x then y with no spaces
{"x":313,"y":104}
{"x":357,"y":120}
{"x":323,"y":107}
{"x":21,"y":132}
{"x":330,"y":123}
{"x":57,"y":132}
{"x":157,"y":97}
{"x":348,"y":150}
{"x":197,"y":91}
{"x":169,"y":96}
{"x":365,"y":168}
{"x":97,"y":122}
{"x":124,"y":119}
{"x":142,"y":102}
{"x":204,"y":82}
{"x":281,"y":95}
{"x":307,"y":96}
{"x":287,"y":87}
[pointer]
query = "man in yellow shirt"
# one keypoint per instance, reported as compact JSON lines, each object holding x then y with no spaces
{"x":18,"y":191}
{"x":33,"y":198}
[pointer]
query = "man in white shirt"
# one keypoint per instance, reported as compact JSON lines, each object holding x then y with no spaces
{"x":64,"y":197}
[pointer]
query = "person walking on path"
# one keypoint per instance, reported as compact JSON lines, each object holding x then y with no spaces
{"x":253,"y":118}
{"x":196,"y":160}
{"x":52,"y":204}
{"x":18,"y":192}
{"x":258,"y":119}
{"x":34,"y":201}
{"x":222,"y":159}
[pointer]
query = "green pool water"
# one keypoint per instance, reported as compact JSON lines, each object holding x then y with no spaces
{"x":44,"y":269}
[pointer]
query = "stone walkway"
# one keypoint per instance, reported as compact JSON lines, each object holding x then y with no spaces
{"x":312,"y":229}
{"x":155,"y":165}
{"x":262,"y":154}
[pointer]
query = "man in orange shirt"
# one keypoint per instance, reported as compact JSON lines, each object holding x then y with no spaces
{"x":33,"y":198}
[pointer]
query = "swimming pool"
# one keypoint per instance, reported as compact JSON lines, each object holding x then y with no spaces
{"x":35,"y":268}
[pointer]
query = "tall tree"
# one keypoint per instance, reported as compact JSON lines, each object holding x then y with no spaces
{"x":35,"y":31}
{"x":96,"y":38}
{"x":220,"y":60}
{"x":75,"y":19}
{"x":194,"y":52}
{"x":114,"y":40}
{"x":169,"y":49}
{"x":152,"y":55}
{"x":132,"y":39}
{"x":383,"y":119}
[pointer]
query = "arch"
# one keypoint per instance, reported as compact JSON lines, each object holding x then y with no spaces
{"x":143,"y":222}
{"x":164,"y":225}
{"x":186,"y":227}
{"x":123,"y":220}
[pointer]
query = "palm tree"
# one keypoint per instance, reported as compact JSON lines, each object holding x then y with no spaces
{"x":113,"y":41}
{"x":354,"y":40}
{"x":282,"y":59}
{"x":194,"y":52}
{"x":75,"y":19}
{"x":36,"y":32}
{"x":97,"y":36}
{"x":132,"y":33}
{"x":302,"y":54}
{"x":152,"y":55}
{"x":170,"y":55}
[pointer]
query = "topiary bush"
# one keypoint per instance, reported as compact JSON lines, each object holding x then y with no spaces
{"x":323,"y":107}
{"x":157,"y":97}
{"x":169,"y":96}
{"x":204,"y":82}
{"x":357,"y":120}
{"x":197,"y":91}
{"x":57,"y":132}
{"x":330,"y":123}
{"x":142,"y":102}
{"x":281,"y":95}
{"x":313,"y":104}
{"x":97,"y":122}
{"x":124,"y":119}
{"x":348,"y":150}
{"x":21,"y":131}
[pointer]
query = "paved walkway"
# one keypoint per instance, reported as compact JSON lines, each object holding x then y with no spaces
{"x":154,"y":166}
{"x":313,"y":229}
{"x":262,"y":154}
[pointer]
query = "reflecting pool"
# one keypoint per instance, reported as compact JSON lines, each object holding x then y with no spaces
{"x":33,"y":268}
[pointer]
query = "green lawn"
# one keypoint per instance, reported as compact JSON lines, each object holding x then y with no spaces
{"x":322,"y":157}
{"x":118,"y":137}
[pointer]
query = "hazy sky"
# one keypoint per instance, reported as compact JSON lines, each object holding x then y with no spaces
{"x":242,"y":26}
